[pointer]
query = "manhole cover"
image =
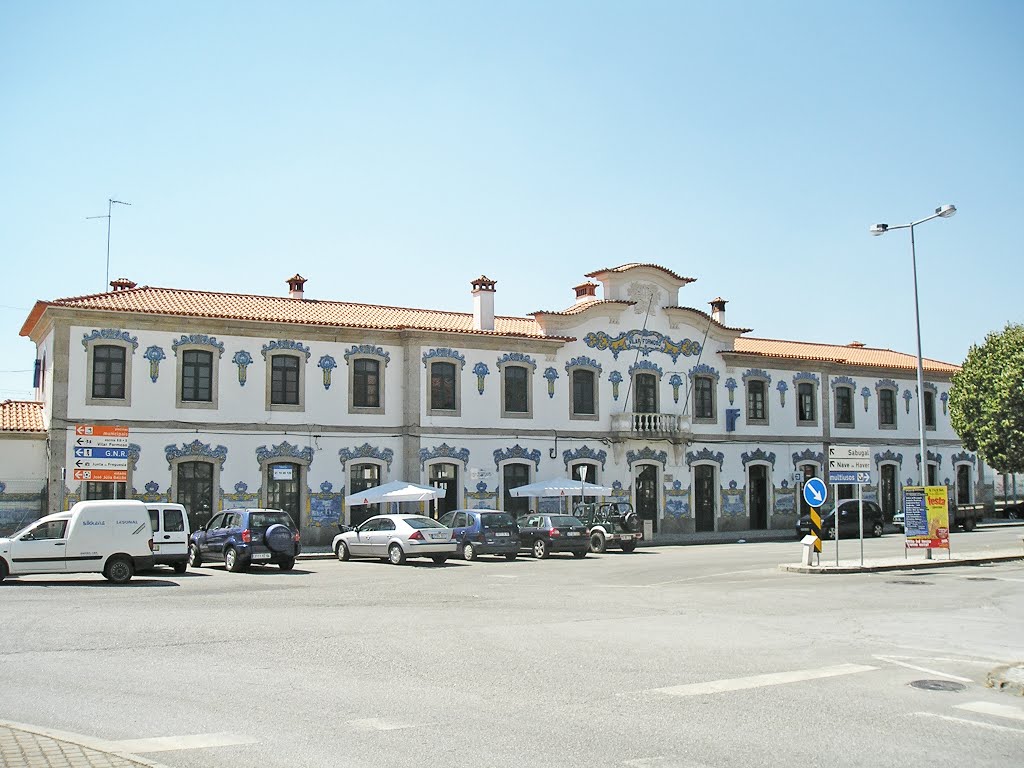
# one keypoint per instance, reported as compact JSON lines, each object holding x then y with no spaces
{"x":981,"y":578}
{"x":937,"y":685}
{"x":909,"y":581}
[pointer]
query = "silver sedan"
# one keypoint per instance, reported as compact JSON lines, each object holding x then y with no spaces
{"x":397,"y":537}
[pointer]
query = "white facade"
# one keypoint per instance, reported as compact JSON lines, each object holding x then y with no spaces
{"x":685,"y":473}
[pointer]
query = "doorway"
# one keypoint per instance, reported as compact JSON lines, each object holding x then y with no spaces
{"x":361,"y":478}
{"x":445,"y":476}
{"x":283,"y":484}
{"x":704,"y":498}
{"x":887,"y":491}
{"x":757,"y":482}
{"x":809,"y":470}
{"x":647,"y":495}
{"x":194,"y":490}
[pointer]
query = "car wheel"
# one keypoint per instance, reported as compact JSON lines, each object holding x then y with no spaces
{"x":119,"y":570}
{"x":342,"y":552}
{"x":232,"y":561}
{"x":3,"y":569}
{"x":468,"y":551}
{"x":278,"y":538}
{"x":194,"y":558}
{"x":1012,"y":514}
{"x":287,"y":564}
{"x":631,"y":522}
{"x":832,"y":532}
{"x":628,"y":546}
{"x":597,"y":543}
{"x":969,"y":524}
{"x":511,"y":556}
{"x":439,"y":559}
{"x":877,"y":530}
{"x":396,"y":555}
{"x":540,"y":549}
{"x":180,"y":567}
{"x":581,"y":553}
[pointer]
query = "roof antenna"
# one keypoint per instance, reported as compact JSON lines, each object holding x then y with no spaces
{"x":110,"y":204}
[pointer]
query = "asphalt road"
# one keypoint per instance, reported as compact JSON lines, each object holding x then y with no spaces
{"x":695,"y":657}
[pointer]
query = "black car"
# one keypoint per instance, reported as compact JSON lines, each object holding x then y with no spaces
{"x":242,"y":537}
{"x":483,"y":532}
{"x":849,"y":521}
{"x":544,"y":534}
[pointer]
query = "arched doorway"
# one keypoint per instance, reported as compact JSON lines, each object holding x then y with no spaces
{"x":446,"y":477}
{"x":757,"y":489}
{"x":284,"y":489}
{"x":193,"y":489}
{"x":705,"y":493}
{"x":646,"y":491}
{"x":809,"y":471}
{"x":361,"y":478}
{"x":887,"y":491}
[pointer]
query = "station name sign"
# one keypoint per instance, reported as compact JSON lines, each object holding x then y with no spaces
{"x":644,"y":341}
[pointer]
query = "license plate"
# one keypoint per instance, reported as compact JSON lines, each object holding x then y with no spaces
{"x":627,"y":537}
{"x":260,"y":555}
{"x":439,"y":536}
{"x":156,"y":547}
{"x":573,"y":533}
{"x":501,"y":534}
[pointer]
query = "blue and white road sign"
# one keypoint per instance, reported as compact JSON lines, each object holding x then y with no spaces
{"x":101,"y":453}
{"x":815,"y":492}
{"x":849,"y":478}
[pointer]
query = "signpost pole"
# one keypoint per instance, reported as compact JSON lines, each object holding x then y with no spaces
{"x":860,"y":513}
{"x":835,"y":517}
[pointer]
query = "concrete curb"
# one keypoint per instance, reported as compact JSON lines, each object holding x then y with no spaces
{"x":909,"y":565}
{"x":86,"y":742}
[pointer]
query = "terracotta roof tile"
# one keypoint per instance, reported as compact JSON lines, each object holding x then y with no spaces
{"x":583,"y":306}
{"x":21,"y":416}
{"x":635,"y":265}
{"x":706,"y":316}
{"x":838,"y":353}
{"x":279,"y":309}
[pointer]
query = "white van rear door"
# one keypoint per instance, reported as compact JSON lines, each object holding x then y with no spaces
{"x":169,"y":531}
{"x":41,"y":549}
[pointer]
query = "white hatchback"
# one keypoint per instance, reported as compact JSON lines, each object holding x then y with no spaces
{"x":397,"y":537}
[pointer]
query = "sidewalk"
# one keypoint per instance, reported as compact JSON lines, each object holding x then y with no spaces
{"x":914,"y":562}
{"x":25,"y":746}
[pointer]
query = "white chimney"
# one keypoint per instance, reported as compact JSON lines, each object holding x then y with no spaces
{"x":718,"y":310}
{"x":483,"y":303}
{"x":295,"y":286}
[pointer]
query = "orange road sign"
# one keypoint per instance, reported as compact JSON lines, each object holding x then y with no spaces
{"x":102,"y":475}
{"x":101,"y":430}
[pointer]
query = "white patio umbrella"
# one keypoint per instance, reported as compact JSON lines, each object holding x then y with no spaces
{"x":394,"y":492}
{"x":560,"y":486}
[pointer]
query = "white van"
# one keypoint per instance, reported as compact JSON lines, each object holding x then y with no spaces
{"x":170,"y":535}
{"x":114,"y":538}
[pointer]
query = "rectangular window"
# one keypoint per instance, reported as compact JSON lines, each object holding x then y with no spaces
{"x":516,"y":392}
{"x":844,"y":405}
{"x":886,"y":408}
{"x":105,"y":491}
{"x":756,"y":401}
{"x":442,"y":387}
{"x":583,"y":393}
{"x":197,"y":376}
{"x":108,"y":372}
{"x":703,"y":397}
{"x":646,"y":397}
{"x":929,"y":409}
{"x":284,"y":380}
{"x":366,"y":383}
{"x":806,"y":411}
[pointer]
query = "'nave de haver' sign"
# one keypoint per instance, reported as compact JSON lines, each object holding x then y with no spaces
{"x":645,"y":341}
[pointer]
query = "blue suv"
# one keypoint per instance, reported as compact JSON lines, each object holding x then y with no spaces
{"x":241,"y":537}
{"x":483,"y":532}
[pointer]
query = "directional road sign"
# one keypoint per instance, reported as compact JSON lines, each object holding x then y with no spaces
{"x":100,"y":464}
{"x":843,"y":477}
{"x":815,"y":492}
{"x":101,"y":453}
{"x":101,"y":430}
{"x":100,"y":442}
{"x":846,"y":458}
{"x":102,"y":475}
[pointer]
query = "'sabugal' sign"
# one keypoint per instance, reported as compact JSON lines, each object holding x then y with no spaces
{"x":645,"y":341}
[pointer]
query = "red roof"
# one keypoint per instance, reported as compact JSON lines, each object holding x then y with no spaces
{"x":838,"y":353}
{"x":21,"y":416}
{"x":627,"y":267}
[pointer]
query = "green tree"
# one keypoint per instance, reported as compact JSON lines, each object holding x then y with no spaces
{"x":986,"y":400}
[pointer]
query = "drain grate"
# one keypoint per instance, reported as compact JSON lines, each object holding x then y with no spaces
{"x":909,"y":581}
{"x":937,"y":685}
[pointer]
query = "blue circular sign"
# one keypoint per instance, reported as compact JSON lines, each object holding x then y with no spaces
{"x":815,"y":492}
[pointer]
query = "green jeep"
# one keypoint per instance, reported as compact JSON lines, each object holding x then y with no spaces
{"x":611,"y":524}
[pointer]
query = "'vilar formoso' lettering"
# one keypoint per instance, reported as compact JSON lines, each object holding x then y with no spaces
{"x":644,"y":341}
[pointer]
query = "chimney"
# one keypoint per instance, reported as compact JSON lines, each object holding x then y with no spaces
{"x":585,"y":291}
{"x":122,"y":284}
{"x":857,"y":344}
{"x":718,"y":310}
{"x":295,"y":286}
{"x":483,"y":303}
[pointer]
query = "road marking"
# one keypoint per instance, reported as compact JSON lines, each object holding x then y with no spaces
{"x":171,"y":743}
{"x":995,"y":578}
{"x":976,"y":723}
{"x":988,"y":708}
{"x":760,"y":681}
{"x":703,"y":576}
{"x":664,"y":762}
{"x":947,"y":675}
{"x":376,"y":724}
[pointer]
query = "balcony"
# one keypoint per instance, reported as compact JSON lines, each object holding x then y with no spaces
{"x":650,"y":424}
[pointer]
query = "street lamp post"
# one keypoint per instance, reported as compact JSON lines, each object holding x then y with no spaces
{"x":943,"y":212}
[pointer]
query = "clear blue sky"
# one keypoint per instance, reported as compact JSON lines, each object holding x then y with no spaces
{"x":391,"y":152}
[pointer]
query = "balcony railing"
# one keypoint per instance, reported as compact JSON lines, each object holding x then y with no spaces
{"x":650,"y":424}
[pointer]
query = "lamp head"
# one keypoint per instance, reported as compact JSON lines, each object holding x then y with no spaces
{"x":878,"y":229}
{"x":945,"y":211}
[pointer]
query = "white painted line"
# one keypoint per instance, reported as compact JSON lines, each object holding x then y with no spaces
{"x":376,"y":724}
{"x":760,"y":681}
{"x":988,"y":708}
{"x":975,"y":723}
{"x":947,"y":675}
{"x":172,"y":743}
{"x":703,"y":576}
{"x":664,"y":762}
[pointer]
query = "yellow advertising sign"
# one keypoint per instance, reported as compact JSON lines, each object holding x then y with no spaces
{"x":926,"y":516}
